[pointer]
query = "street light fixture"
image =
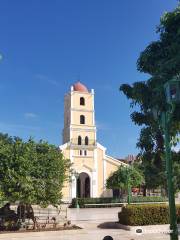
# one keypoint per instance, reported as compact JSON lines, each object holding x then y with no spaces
{"x":172,"y":92}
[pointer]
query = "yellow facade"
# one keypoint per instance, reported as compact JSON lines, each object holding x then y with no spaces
{"x":88,"y":157}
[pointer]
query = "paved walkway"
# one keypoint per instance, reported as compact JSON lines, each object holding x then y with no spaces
{"x":88,"y":219}
{"x":84,"y":234}
{"x":93,"y":214}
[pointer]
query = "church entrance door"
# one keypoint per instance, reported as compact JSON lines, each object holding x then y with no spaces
{"x":83,"y":185}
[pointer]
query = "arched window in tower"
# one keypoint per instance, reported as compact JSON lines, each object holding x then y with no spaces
{"x":82,"y":119}
{"x":86,"y":140}
{"x":79,"y":140}
{"x":82,"y":101}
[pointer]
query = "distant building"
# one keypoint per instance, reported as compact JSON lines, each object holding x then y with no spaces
{"x":130,"y":159}
{"x":88,"y":157}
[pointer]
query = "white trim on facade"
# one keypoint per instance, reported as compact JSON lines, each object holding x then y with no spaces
{"x":84,"y":126}
{"x":104,"y":173}
{"x":81,"y":93}
{"x":73,"y":188}
{"x":101,"y":147}
{"x":109,"y":158}
{"x":81,"y":110}
{"x":83,"y":129}
{"x":64,"y":146}
{"x":82,"y":156}
{"x":95,"y":175}
{"x":71,"y":155}
{"x":93,"y":118}
{"x":71,"y":114}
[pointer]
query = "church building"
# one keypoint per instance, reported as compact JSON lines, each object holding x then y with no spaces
{"x":91,"y":165}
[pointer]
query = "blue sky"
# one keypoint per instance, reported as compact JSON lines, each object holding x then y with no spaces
{"x":48,"y":44}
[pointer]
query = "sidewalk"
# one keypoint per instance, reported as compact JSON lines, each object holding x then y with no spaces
{"x":93,"y":214}
{"x":84,"y":234}
{"x":88,"y":220}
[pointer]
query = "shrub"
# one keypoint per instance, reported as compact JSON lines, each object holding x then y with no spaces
{"x":83,"y":201}
{"x":150,"y":214}
{"x":136,"y":199}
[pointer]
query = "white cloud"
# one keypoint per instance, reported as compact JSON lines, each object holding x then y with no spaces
{"x":102,"y":126}
{"x":9,"y":127}
{"x":30,"y":115}
{"x":45,"y":78}
{"x":106,"y":88}
{"x":106,"y":127}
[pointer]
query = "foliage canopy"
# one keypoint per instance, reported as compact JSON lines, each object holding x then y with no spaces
{"x":30,"y":172}
{"x":123,"y":176}
{"x":161,"y":60}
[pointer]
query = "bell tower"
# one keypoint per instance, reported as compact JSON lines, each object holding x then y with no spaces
{"x":79,"y":117}
{"x":89,"y":163}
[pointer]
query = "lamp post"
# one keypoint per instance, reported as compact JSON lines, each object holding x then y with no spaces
{"x":172,"y":91}
{"x":128,"y":185}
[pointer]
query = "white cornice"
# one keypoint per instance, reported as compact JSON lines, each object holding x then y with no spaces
{"x":81,"y":110}
{"x":82,"y":93}
{"x":64,"y":146}
{"x":81,"y":156}
{"x":84,"y":129}
{"x":109,"y":158}
{"x":101,"y":146}
{"x":82,"y":126}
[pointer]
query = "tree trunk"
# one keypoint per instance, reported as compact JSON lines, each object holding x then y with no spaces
{"x":144,"y":191}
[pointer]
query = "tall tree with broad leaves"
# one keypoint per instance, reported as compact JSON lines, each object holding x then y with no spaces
{"x":161,"y":60}
{"x":119,"y":179}
{"x":31,"y":172}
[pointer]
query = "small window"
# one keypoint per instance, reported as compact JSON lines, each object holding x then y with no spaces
{"x":85,"y":152}
{"x":86,"y":140}
{"x":79,"y":140}
{"x":82,"y":119}
{"x":82,"y":101}
{"x":80,"y":152}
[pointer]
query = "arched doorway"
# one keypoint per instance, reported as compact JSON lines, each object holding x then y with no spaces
{"x":83,"y":185}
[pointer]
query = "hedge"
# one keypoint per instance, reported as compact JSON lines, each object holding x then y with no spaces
{"x":136,"y":199}
{"x":147,"y":214}
{"x":83,"y":201}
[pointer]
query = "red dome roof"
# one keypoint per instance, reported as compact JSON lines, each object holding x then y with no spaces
{"x":80,"y":87}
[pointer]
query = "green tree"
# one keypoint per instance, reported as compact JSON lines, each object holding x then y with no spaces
{"x":119,"y":179}
{"x":31,"y":172}
{"x":161,"y":60}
